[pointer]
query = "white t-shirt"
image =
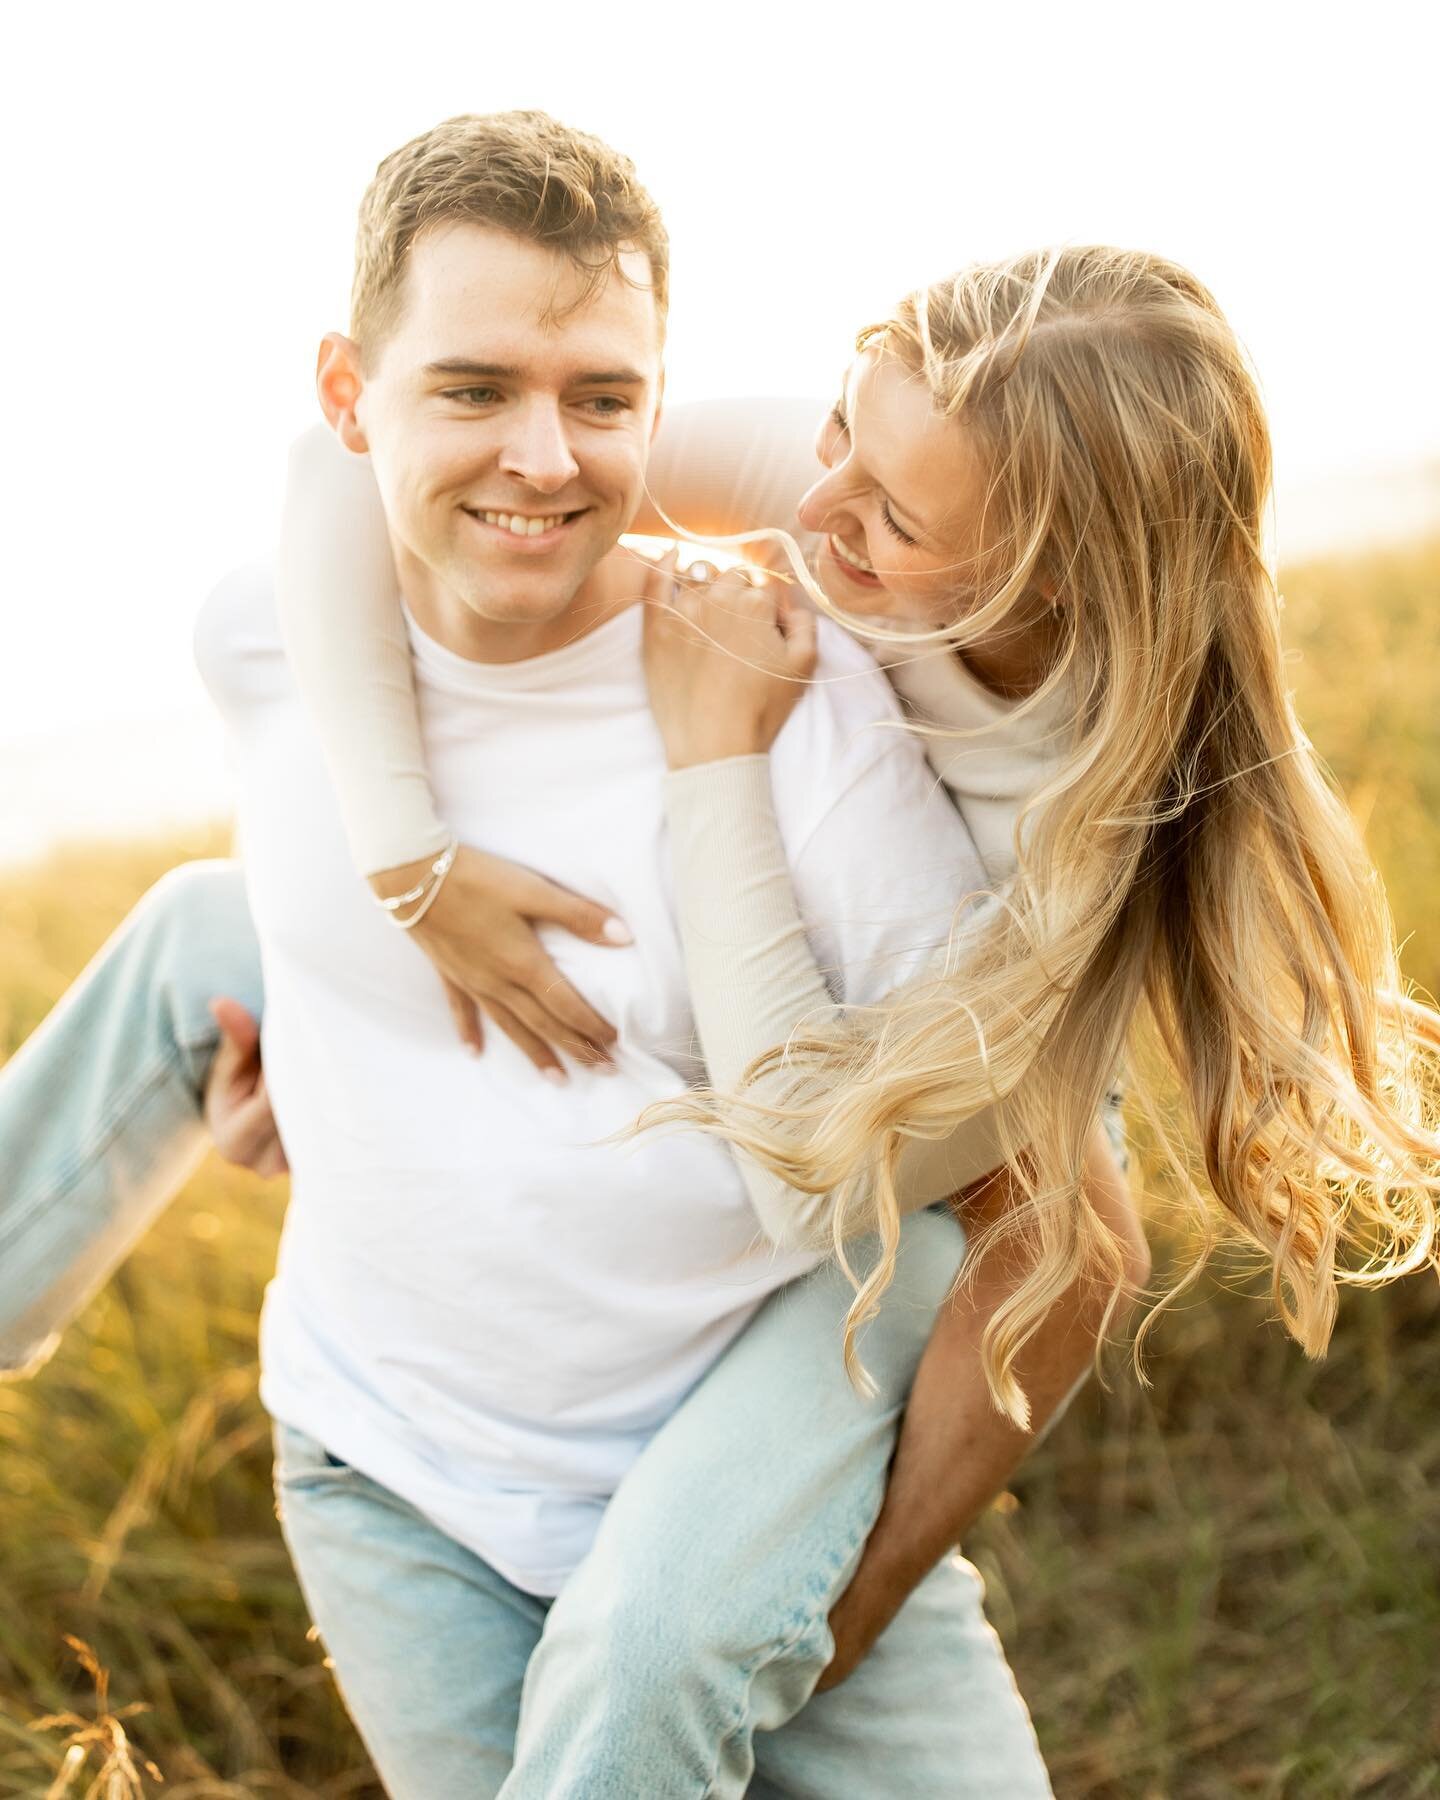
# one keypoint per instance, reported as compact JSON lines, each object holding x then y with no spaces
{"x":481,"y":1302}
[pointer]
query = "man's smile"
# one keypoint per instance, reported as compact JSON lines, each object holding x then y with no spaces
{"x":525,"y":531}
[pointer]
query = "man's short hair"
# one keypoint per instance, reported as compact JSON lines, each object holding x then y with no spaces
{"x":521,"y":172}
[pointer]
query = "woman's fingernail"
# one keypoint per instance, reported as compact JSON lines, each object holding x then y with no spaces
{"x":616,"y":933}
{"x":558,"y":1076}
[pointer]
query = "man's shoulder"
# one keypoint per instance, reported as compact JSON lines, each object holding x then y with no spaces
{"x":848,"y":718}
{"x":237,"y":641}
{"x":848,"y":736}
{"x":841,"y":653}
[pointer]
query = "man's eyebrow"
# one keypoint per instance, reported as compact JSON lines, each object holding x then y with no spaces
{"x":462,"y":365}
{"x":482,"y":371}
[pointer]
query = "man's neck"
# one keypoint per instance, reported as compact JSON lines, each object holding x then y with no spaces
{"x":611,"y":587}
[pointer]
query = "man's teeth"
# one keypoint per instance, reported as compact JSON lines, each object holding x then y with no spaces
{"x":849,"y":556}
{"x":521,"y":526}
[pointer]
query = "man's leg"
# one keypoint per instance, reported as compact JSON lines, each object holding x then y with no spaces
{"x":700,"y":1616}
{"x":100,"y":1109}
{"x":428,"y":1643}
{"x":932,"y":1710}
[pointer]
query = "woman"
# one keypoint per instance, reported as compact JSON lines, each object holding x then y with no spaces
{"x":1058,"y":468}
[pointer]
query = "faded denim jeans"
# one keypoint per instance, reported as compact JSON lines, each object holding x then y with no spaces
{"x":682,"y":1656}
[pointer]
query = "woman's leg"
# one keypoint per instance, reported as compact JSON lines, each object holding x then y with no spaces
{"x":429,"y":1644}
{"x":932,"y":1710}
{"x":700,"y":1616}
{"x":100,"y":1109}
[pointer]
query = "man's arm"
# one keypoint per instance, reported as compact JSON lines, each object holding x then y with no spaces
{"x":956,"y":1450}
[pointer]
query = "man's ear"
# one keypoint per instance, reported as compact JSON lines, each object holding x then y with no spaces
{"x":339,"y":384}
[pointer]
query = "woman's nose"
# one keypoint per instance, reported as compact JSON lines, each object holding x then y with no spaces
{"x":819,"y":503}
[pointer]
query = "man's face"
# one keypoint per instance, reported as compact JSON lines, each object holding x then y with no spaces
{"x":508,"y":432}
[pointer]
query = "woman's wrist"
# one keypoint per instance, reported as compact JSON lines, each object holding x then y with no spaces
{"x":712,"y":750}
{"x":389,"y":884}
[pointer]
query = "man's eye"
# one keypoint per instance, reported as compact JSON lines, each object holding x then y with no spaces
{"x":609,"y":406}
{"x":476,"y":396}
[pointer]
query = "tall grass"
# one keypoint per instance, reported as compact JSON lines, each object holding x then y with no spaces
{"x":1228,"y":1584}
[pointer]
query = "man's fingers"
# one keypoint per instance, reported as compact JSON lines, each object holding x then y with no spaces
{"x":270,"y":1158}
{"x":246,"y":1135}
{"x":239,"y":1028}
{"x":466,"y":1015}
{"x":271,"y":1161}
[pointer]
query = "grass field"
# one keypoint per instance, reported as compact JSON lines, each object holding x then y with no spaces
{"x":1228,"y":1584}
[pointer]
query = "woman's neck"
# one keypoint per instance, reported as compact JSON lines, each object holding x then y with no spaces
{"x":1018,"y":657}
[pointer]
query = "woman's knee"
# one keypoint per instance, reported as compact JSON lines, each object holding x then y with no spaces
{"x":193,"y":940}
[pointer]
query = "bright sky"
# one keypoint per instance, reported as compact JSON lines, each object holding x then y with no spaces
{"x":182,"y":184}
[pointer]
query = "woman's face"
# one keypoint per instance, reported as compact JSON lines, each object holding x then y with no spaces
{"x":901,"y":501}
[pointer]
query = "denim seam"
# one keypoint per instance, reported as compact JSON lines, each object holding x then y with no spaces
{"x":119,"y":1113}
{"x":752,"y":1668}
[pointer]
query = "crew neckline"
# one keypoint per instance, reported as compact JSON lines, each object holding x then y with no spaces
{"x":588,"y":654}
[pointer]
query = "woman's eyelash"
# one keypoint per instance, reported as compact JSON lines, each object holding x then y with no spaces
{"x":837,"y":418}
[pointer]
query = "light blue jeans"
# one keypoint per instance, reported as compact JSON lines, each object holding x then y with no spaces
{"x":682,"y":1656}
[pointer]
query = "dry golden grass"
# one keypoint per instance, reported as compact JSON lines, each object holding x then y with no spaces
{"x":1225,"y":1585}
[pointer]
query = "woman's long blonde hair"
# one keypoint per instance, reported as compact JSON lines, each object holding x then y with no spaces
{"x":1189,"y":868}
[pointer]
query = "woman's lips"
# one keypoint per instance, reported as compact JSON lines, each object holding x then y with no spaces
{"x":861,"y":577}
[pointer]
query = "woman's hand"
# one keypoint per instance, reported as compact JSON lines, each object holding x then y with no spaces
{"x":727,"y":658}
{"x":480,"y":935}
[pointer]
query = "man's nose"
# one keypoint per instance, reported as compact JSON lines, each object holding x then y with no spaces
{"x":537,"y":450}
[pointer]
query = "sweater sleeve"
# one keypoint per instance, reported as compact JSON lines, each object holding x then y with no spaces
{"x":754,"y":979}
{"x":726,"y":466}
{"x":344,"y":633}
{"x":719,"y":467}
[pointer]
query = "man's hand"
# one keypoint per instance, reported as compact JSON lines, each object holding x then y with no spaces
{"x":237,"y":1108}
{"x":956,"y":1449}
{"x":856,"y":1620}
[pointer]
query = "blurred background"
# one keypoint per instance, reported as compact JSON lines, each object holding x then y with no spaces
{"x":1225,"y":1583}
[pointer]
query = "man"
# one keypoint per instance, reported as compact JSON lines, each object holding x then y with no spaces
{"x":484,"y":1313}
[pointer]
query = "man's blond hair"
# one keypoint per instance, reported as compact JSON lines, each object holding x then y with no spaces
{"x":521,"y":172}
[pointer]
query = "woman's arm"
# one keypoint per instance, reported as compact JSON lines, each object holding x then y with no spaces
{"x":718,"y":467}
{"x":339,"y":604}
{"x":726,"y":666}
{"x":723,"y":466}
{"x":754,"y":979}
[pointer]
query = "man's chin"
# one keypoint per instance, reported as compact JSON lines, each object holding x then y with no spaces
{"x":497,"y":604}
